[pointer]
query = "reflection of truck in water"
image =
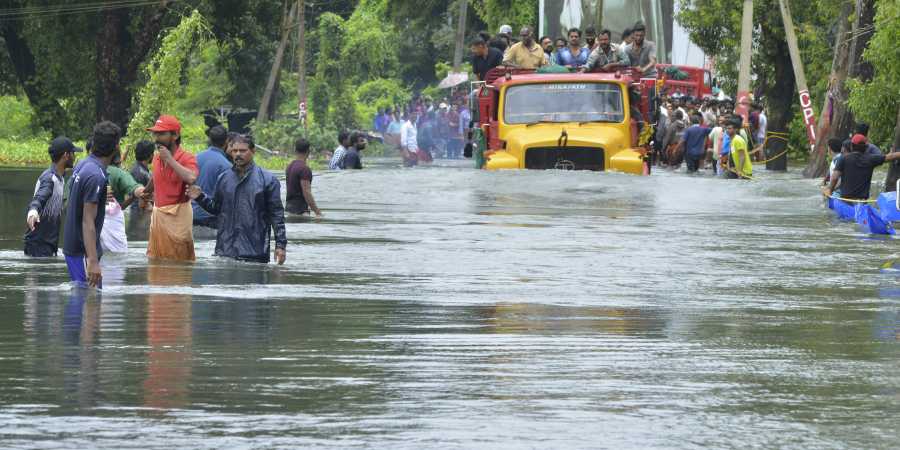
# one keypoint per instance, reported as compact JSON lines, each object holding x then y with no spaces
{"x":573,"y":121}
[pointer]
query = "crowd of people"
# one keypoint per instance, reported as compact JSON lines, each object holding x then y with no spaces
{"x":698,"y":132}
{"x":221,"y":189}
{"x":424,"y":129}
{"x":579,"y":50}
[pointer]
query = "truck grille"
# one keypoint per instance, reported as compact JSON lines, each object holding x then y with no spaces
{"x":565,"y":158}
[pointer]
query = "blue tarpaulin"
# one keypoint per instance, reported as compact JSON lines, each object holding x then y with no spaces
{"x":887,"y":206}
{"x":869,"y":220}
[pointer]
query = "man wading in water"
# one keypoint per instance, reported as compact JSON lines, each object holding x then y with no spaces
{"x":171,"y":232}
{"x":247,"y":205}
{"x":45,"y":210}
{"x":854,"y":170}
{"x":86,"y":210}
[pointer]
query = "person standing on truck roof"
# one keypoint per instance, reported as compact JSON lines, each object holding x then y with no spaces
{"x":484,"y":58}
{"x":641,"y":52}
{"x":547,"y":45}
{"x":573,"y":55}
{"x":604,"y":56}
{"x":526,"y":54}
{"x":590,"y":38}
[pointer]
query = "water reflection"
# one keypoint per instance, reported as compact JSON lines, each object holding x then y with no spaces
{"x":446,"y":307}
{"x":169,"y":337}
{"x":80,"y":330}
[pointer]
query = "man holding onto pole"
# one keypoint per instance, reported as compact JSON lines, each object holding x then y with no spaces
{"x":171,"y":233}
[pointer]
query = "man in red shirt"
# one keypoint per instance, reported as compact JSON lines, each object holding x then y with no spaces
{"x":171,"y":232}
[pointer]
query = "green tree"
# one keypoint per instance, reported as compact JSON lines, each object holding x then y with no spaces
{"x":380,"y":93}
{"x":517,"y":13}
{"x":876,"y":102}
{"x":163,"y":72}
{"x":715,"y":25}
{"x":325,"y":86}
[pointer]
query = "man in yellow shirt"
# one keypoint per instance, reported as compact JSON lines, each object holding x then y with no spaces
{"x":525,"y":54}
{"x":740,"y":164}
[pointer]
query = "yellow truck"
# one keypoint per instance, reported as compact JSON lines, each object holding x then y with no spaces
{"x":565,"y":121}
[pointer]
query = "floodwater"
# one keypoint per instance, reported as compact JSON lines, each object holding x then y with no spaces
{"x":445,"y":307}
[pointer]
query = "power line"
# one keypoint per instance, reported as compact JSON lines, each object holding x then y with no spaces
{"x":40,"y":12}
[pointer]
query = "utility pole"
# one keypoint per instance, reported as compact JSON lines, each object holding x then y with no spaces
{"x":301,"y":58}
{"x":263,"y":114}
{"x":742,"y":104}
{"x":460,"y":35}
{"x":599,"y":15}
{"x":809,"y":115}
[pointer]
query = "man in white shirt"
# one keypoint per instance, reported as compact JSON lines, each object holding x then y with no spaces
{"x":409,"y":144}
{"x":337,"y":159}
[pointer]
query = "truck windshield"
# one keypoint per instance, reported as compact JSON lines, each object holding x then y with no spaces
{"x":563,"y":102}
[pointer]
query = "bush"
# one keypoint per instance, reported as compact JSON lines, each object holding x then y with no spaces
{"x":17,"y":117}
{"x":279,"y":136}
{"x":380,"y":93}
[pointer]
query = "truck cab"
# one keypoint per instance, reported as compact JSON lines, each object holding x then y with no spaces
{"x":566,"y":121}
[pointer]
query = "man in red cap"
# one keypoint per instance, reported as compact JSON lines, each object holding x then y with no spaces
{"x":171,"y":234}
{"x":854,"y":170}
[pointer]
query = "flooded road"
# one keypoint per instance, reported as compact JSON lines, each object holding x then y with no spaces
{"x":446,"y":307}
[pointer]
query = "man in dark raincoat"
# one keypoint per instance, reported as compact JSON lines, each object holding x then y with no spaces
{"x":247,"y":204}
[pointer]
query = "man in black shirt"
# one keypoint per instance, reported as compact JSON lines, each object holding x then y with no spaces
{"x":352,"y":159}
{"x":484,"y":58}
{"x":854,"y":170}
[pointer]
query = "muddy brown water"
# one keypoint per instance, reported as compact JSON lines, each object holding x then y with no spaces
{"x":445,"y":307}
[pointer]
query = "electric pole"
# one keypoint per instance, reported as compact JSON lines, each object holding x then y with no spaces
{"x":460,"y":35}
{"x":742,"y":104}
{"x":809,"y":116}
{"x":266,"y":105}
{"x":301,"y":57}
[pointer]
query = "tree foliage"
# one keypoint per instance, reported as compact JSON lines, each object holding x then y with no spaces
{"x":715,"y":26}
{"x":516,"y":13}
{"x":163,"y":72}
{"x":876,"y":102}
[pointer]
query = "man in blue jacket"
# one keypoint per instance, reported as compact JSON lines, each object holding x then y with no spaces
{"x":211,"y":162}
{"x":247,"y":204}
